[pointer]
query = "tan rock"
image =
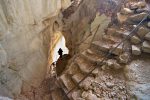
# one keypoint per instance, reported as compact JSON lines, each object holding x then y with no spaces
{"x":137,"y":17}
{"x":121,"y":18}
{"x":147,"y":36}
{"x":136,"y":50}
{"x":118,"y":50}
{"x":146,"y":47}
{"x":124,"y":58}
{"x":135,"y":40}
{"x":143,"y":31}
{"x":126,"y":11}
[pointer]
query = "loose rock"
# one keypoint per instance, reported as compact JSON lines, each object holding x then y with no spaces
{"x":146,"y":47}
{"x":136,"y":50}
{"x":143,"y":31}
{"x":147,"y":36}
{"x":135,"y":40}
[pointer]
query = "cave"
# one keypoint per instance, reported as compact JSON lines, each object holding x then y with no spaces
{"x":105,"y":44}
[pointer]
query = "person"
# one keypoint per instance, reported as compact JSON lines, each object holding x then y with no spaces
{"x":60,"y":52}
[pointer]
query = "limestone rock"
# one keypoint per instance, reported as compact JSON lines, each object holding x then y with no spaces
{"x":135,"y":40}
{"x":141,"y":4}
{"x":77,"y":77}
{"x":146,"y":47}
{"x":118,"y":50}
{"x":88,"y":95}
{"x":109,"y":84}
{"x":148,"y":24}
{"x":76,"y":95}
{"x":11,"y":80}
{"x":3,"y":58}
{"x":137,"y":17}
{"x":136,"y":50}
{"x":84,"y":65}
{"x":126,"y":11}
{"x":121,"y":18}
{"x":124,"y":58}
{"x":86,"y":84}
{"x":147,"y":36}
{"x":92,"y":96}
{"x":143,"y":31}
{"x":101,"y":46}
{"x":66,"y":80}
{"x":111,"y":63}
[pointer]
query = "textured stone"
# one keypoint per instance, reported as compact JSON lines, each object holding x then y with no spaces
{"x":137,"y":17}
{"x":25,"y":36}
{"x":11,"y":80}
{"x":147,"y":36}
{"x":118,"y":50}
{"x":124,"y":58}
{"x":126,"y":11}
{"x":143,"y":31}
{"x":146,"y":47}
{"x":109,"y":84}
{"x":101,"y":46}
{"x":135,"y":40}
{"x":66,"y":80}
{"x":111,"y":63}
{"x":121,"y":18}
{"x":77,"y":77}
{"x":136,"y":50}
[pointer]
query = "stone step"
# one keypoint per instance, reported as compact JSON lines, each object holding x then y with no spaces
{"x":147,"y":36}
{"x":146,"y":47}
{"x":136,"y":50}
{"x":116,"y":33}
{"x":101,"y":46}
{"x":84,"y":65}
{"x":117,"y":50}
{"x":73,"y":68}
{"x":112,"y":38}
{"x":105,"y":47}
{"x":66,"y":82}
{"x":77,"y":77}
{"x":91,"y":56}
{"x":58,"y":94}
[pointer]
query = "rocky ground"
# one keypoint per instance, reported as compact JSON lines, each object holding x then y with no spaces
{"x":124,"y":75}
{"x":121,"y":76}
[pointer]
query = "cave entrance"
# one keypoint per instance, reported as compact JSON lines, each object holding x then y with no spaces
{"x":60,"y":44}
{"x":58,"y":64}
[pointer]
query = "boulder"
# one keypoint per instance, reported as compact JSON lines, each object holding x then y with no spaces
{"x":135,"y":40}
{"x":143,"y":31}
{"x":147,"y":36}
{"x":136,"y":50}
{"x":148,"y":24}
{"x":146,"y":47}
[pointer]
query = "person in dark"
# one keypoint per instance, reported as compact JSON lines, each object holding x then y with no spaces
{"x":60,"y":52}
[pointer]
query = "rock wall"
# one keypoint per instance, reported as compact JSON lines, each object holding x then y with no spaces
{"x":26,"y":28}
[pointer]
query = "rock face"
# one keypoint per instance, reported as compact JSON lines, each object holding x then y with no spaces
{"x":25,"y":34}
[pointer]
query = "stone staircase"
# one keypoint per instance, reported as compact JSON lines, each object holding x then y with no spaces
{"x":92,"y":57}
